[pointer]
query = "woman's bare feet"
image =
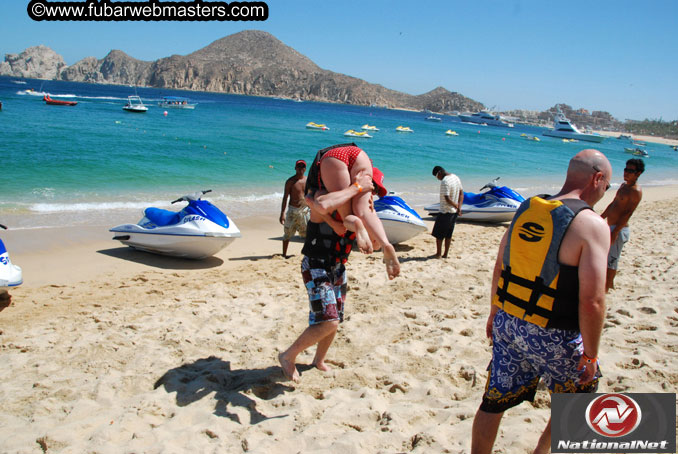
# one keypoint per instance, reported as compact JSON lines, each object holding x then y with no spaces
{"x":363,"y":240}
{"x":391,"y":261}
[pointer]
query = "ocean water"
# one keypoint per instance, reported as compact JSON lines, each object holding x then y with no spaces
{"x":94,"y":164}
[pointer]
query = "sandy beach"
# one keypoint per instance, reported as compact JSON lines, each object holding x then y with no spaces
{"x":109,"y":350}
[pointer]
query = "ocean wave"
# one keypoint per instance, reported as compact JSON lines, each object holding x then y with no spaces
{"x":92,"y":206}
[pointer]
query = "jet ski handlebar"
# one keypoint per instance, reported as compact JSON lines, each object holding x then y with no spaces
{"x":194,"y":196}
{"x":491,"y":184}
{"x":3,"y":227}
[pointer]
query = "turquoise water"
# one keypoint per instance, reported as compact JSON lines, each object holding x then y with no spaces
{"x":96,"y":164}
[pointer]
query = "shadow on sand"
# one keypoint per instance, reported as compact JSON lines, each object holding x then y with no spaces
{"x":161,"y":261}
{"x":194,"y":381}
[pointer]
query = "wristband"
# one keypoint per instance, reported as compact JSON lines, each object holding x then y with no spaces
{"x":588,"y":359}
{"x":360,"y":188}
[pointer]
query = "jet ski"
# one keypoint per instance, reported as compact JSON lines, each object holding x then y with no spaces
{"x":498,"y":204}
{"x":10,"y":274}
{"x":400,"y":221}
{"x":199,"y":230}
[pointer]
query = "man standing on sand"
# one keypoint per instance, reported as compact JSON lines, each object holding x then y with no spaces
{"x":618,"y":214}
{"x":547,"y":327}
{"x":451,"y":199}
{"x":322,"y":268}
{"x":297,"y":213}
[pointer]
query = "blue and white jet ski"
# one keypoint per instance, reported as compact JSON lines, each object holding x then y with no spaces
{"x":199,"y":230}
{"x":10,"y":274}
{"x":498,"y":204}
{"x":400,"y":221}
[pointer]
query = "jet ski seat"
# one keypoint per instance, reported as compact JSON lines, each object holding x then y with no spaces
{"x":471,"y":198}
{"x":161,"y":217}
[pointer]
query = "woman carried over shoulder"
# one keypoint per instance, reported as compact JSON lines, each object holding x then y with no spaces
{"x":347,"y":166}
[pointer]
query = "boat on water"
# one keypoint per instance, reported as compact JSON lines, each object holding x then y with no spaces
{"x":564,"y":129}
{"x":176,"y":102}
{"x":352,"y":133}
{"x":198,"y":231}
{"x":404,"y":129}
{"x":485,"y":118}
{"x":400,"y":221}
{"x":637,"y":151}
{"x":319,"y":126}
{"x":433,"y":118}
{"x":625,"y":137}
{"x":449,"y":132}
{"x":135,"y":105}
{"x":57,"y":102}
{"x":367,"y":127}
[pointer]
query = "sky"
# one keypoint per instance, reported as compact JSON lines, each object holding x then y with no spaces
{"x":615,"y":56}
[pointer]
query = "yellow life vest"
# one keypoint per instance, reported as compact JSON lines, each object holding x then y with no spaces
{"x":533,"y":285}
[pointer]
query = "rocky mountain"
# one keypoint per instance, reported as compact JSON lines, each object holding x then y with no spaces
{"x":39,"y":62}
{"x":250,"y":63}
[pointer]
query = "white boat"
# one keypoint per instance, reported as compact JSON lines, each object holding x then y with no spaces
{"x":404,"y":129}
{"x":198,"y":231}
{"x":176,"y":102}
{"x":485,"y":118}
{"x":134,"y":104}
{"x":367,"y":127}
{"x":352,"y":133}
{"x":400,"y":221}
{"x":319,"y":126}
{"x":433,"y":118}
{"x":564,"y":129}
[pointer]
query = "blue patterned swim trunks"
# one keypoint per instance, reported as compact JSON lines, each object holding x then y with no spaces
{"x":325,"y":283}
{"x":522,"y":354}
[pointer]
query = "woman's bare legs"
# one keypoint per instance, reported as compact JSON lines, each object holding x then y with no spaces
{"x":335,"y":176}
{"x":362,"y":209}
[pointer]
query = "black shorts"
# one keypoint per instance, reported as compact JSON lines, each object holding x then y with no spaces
{"x":444,"y":225}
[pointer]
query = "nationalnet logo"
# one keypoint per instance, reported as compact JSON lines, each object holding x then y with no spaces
{"x":613,"y":423}
{"x":613,"y":415}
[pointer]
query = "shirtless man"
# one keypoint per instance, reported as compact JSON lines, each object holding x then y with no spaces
{"x":618,"y":214}
{"x":297,"y":213}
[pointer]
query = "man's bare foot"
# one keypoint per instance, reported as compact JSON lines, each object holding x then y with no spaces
{"x":391,"y":261}
{"x":321,"y":365}
{"x":289,"y":369}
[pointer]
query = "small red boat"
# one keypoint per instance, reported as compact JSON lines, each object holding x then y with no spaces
{"x":58,"y":102}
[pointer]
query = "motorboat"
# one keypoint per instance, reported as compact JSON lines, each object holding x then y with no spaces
{"x":404,"y":129}
{"x":400,"y":221}
{"x":352,"y":133}
{"x":10,"y":274}
{"x":57,"y":102}
{"x":367,"y":127}
{"x":485,"y":118}
{"x":433,"y":118}
{"x":637,"y":151}
{"x":198,"y":231}
{"x":135,"y":105}
{"x":176,"y":102}
{"x":322,"y":127}
{"x":449,"y":132}
{"x":564,"y":129}
{"x":497,"y":204}
{"x":534,"y":138}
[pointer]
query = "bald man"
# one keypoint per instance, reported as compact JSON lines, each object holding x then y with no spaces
{"x":547,"y":327}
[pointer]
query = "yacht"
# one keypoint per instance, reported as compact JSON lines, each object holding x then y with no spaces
{"x":563,"y":128}
{"x":484,"y":117}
